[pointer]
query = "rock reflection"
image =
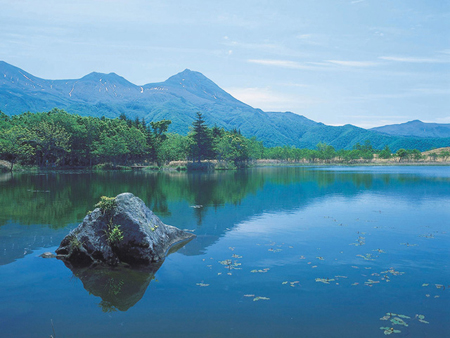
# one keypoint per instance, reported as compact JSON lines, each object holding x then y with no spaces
{"x":120,"y":288}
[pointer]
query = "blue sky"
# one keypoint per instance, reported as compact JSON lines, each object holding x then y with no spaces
{"x":363,"y":62}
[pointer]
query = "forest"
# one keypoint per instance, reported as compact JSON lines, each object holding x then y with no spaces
{"x":60,"y":139}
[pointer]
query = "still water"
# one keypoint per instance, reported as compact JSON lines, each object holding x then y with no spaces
{"x":279,"y":252}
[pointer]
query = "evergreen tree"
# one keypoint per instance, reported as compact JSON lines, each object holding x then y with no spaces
{"x":203,"y":145}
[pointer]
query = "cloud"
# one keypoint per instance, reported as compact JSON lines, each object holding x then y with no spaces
{"x":324,"y":65}
{"x":443,"y":119}
{"x":353,"y":63}
{"x":280,"y":63}
{"x":270,"y":100}
{"x":413,"y":59}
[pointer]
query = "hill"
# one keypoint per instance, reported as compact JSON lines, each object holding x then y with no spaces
{"x":416,"y":128}
{"x":178,"y":99}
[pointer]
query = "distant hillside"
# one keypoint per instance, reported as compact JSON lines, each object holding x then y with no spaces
{"x":416,"y":128}
{"x":178,"y":99}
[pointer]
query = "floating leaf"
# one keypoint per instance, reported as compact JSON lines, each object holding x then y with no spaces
{"x":370,"y":282}
{"x":408,"y":244}
{"x":422,"y":319}
{"x":389,"y":330}
{"x":398,"y":321}
{"x":404,"y":316}
{"x":202,"y":284}
{"x":324,"y":280}
{"x":367,"y":257}
{"x":260,"y":271}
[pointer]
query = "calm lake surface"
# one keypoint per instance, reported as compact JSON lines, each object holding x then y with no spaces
{"x":279,"y":252}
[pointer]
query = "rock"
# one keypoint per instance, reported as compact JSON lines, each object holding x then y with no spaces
{"x":47,"y":255}
{"x":120,"y":230}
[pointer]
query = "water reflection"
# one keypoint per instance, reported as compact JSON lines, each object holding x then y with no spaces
{"x":119,"y":288}
{"x":58,"y":199}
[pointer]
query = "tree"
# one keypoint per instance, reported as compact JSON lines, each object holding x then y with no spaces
{"x":12,"y":145}
{"x":401,"y":154}
{"x":326,"y":152}
{"x":203,"y":145}
{"x":156,"y":137}
{"x":385,"y":153}
{"x":233,"y":147}
{"x":445,"y":154}
{"x":415,"y":154}
{"x":50,"y":142}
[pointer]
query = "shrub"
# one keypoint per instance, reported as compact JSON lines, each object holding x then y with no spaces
{"x":106,"y":204}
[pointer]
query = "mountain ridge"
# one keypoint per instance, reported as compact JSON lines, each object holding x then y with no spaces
{"x":178,"y":99}
{"x":416,"y":128}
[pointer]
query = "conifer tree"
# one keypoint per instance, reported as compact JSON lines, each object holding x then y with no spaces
{"x":202,"y":147}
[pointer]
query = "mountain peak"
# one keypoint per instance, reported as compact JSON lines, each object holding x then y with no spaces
{"x":111,"y":77}
{"x":188,"y":76}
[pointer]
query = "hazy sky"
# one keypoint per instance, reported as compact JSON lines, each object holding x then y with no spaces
{"x":363,"y":62}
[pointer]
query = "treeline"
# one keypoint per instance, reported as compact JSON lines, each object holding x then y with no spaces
{"x":360,"y":152}
{"x":57,"y":138}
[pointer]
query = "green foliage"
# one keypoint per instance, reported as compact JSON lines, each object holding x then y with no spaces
{"x":106,"y":204}
{"x":385,"y":153}
{"x":444,"y":154}
{"x":113,"y":234}
{"x":202,"y":146}
{"x":74,"y":242}
{"x":402,"y":154}
{"x":57,"y":138}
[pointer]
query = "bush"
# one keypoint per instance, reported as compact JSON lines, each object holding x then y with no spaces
{"x":200,"y":166}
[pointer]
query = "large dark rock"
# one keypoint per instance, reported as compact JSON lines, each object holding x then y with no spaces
{"x":128,"y":233}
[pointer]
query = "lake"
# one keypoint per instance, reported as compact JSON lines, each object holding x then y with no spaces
{"x":279,"y":252}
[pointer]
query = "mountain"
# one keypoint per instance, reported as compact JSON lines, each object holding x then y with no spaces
{"x":178,"y":99}
{"x":416,"y":128}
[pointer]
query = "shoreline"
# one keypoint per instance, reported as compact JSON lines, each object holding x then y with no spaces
{"x":181,"y":167}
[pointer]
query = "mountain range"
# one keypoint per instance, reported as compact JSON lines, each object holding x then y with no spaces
{"x":182,"y":95}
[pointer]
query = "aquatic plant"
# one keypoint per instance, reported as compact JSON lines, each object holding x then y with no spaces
{"x":260,"y":298}
{"x":389,"y":330}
